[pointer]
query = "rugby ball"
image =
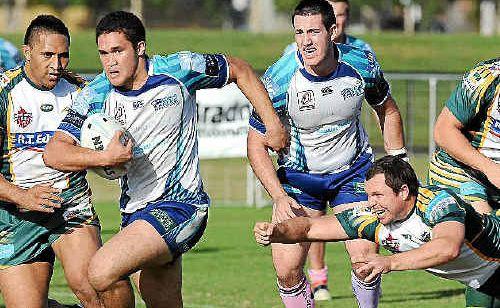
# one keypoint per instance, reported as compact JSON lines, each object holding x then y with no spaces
{"x":97,"y":131}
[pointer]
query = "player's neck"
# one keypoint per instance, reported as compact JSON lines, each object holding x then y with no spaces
{"x":140,"y":76}
{"x":341,"y":39}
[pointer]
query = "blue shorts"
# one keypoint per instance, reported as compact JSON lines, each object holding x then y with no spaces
{"x":181,"y":225}
{"x":316,"y":190}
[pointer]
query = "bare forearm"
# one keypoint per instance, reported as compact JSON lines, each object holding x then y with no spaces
{"x":292,"y":231}
{"x":391,"y":125}
{"x":431,"y":254}
{"x":10,"y":192}
{"x":67,"y":157}
{"x":263,"y":167}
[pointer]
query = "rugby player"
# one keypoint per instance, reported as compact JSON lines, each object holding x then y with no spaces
{"x":318,"y":91}
{"x":43,"y":211}
{"x":163,"y":203}
{"x":427,"y":228}
{"x":468,"y":158}
{"x":318,"y":271}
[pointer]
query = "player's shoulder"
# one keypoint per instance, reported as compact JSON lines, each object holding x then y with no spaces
{"x":284,"y":67}
{"x":362,"y":60}
{"x":93,"y":95}
{"x":438,"y":204}
{"x":359,"y":43}
{"x":10,"y":78}
{"x":482,"y":75}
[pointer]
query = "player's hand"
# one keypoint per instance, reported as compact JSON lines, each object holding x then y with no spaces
{"x":40,"y":198}
{"x":277,"y":137}
{"x":284,"y":208}
{"x":262,"y":232}
{"x":117,"y":153}
{"x":374,"y":266}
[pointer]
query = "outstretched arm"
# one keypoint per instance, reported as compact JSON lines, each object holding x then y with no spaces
{"x":300,"y":229}
{"x":243,"y":75}
{"x":448,"y":135}
{"x":447,"y":238}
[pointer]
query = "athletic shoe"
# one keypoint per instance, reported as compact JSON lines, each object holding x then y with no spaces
{"x":321,"y":293}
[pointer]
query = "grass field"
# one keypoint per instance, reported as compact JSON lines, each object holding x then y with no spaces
{"x":397,"y":52}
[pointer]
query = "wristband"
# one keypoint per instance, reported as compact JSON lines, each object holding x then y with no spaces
{"x":401,"y":153}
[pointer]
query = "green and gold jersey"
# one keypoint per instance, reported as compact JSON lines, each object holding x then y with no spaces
{"x":475,"y":103}
{"x":29,"y":116}
{"x":479,"y":256}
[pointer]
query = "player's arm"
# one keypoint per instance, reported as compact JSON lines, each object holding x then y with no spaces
{"x":243,"y":75}
{"x":300,"y":229}
{"x":263,"y":167}
{"x":447,"y":238}
{"x":391,"y":125}
{"x":448,"y":134}
{"x":64,"y":154}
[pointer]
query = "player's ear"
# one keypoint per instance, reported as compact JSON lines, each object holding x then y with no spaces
{"x":141,"y":48}
{"x":333,"y":31}
{"x":404,"y":192}
{"x":26,"y":52}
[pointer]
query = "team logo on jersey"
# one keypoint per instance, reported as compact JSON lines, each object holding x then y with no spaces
{"x":390,"y":243}
{"x":23,"y":118}
{"x":306,"y":100}
{"x":120,"y":114}
{"x":47,"y":107}
{"x":326,"y":90}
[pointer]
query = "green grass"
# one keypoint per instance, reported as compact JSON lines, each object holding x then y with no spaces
{"x":397,"y":52}
{"x":227,"y":269}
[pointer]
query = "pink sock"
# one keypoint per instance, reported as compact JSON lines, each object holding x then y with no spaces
{"x":318,"y":277}
{"x":298,"y":296}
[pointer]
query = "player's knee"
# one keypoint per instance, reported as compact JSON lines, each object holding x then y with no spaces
{"x":289,"y":277}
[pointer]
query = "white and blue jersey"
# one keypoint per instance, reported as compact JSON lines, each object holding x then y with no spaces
{"x":161,"y":119}
{"x":10,"y":57}
{"x":323,"y":113}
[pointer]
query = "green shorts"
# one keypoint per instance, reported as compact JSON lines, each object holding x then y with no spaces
{"x":462,"y":182}
{"x":26,"y":235}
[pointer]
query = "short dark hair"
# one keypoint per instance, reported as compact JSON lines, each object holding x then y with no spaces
{"x":124,"y":22}
{"x":45,"y":23}
{"x":397,"y":173}
{"x":314,"y":7}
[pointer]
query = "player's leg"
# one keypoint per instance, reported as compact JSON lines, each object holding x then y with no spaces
{"x":351,"y":193}
{"x":150,"y":239}
{"x":161,"y":284}
{"x":75,"y":249}
{"x":318,"y":271}
{"x":27,"y":285}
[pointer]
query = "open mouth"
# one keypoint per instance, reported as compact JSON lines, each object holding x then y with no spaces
{"x":113,"y":74}
{"x":379,"y":212}
{"x":308,"y":51}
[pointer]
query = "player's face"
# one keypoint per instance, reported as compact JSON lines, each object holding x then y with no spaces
{"x":312,"y":38}
{"x":119,"y":58}
{"x":46,"y":56}
{"x":341,"y":10}
{"x":383,"y":201}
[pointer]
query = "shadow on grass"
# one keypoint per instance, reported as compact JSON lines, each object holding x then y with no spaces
{"x":417,"y":296}
{"x":205,"y":250}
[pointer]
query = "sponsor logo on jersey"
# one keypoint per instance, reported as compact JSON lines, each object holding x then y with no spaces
{"x":137,"y":104}
{"x":120,"y":114}
{"x":306,"y":100}
{"x":162,"y":103}
{"x":359,"y":187}
{"x":23,"y":118}
{"x":326,"y":90}
{"x":164,"y":219}
{"x":47,"y":107}
{"x":356,"y":90}
{"x":36,"y":139}
{"x":390,"y":243}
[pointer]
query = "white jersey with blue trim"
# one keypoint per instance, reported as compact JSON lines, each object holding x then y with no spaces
{"x":161,"y":118}
{"x":323,"y":113}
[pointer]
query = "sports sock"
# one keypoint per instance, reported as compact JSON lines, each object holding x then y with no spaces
{"x":318,"y":277}
{"x":366,"y":293}
{"x":298,"y":296}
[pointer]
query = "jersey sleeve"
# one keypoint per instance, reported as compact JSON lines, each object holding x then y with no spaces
{"x":358,"y":223}
{"x":475,"y":90}
{"x":276,"y":80}
{"x":195,"y":71}
{"x":445,"y":207}
{"x":89,"y":100}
